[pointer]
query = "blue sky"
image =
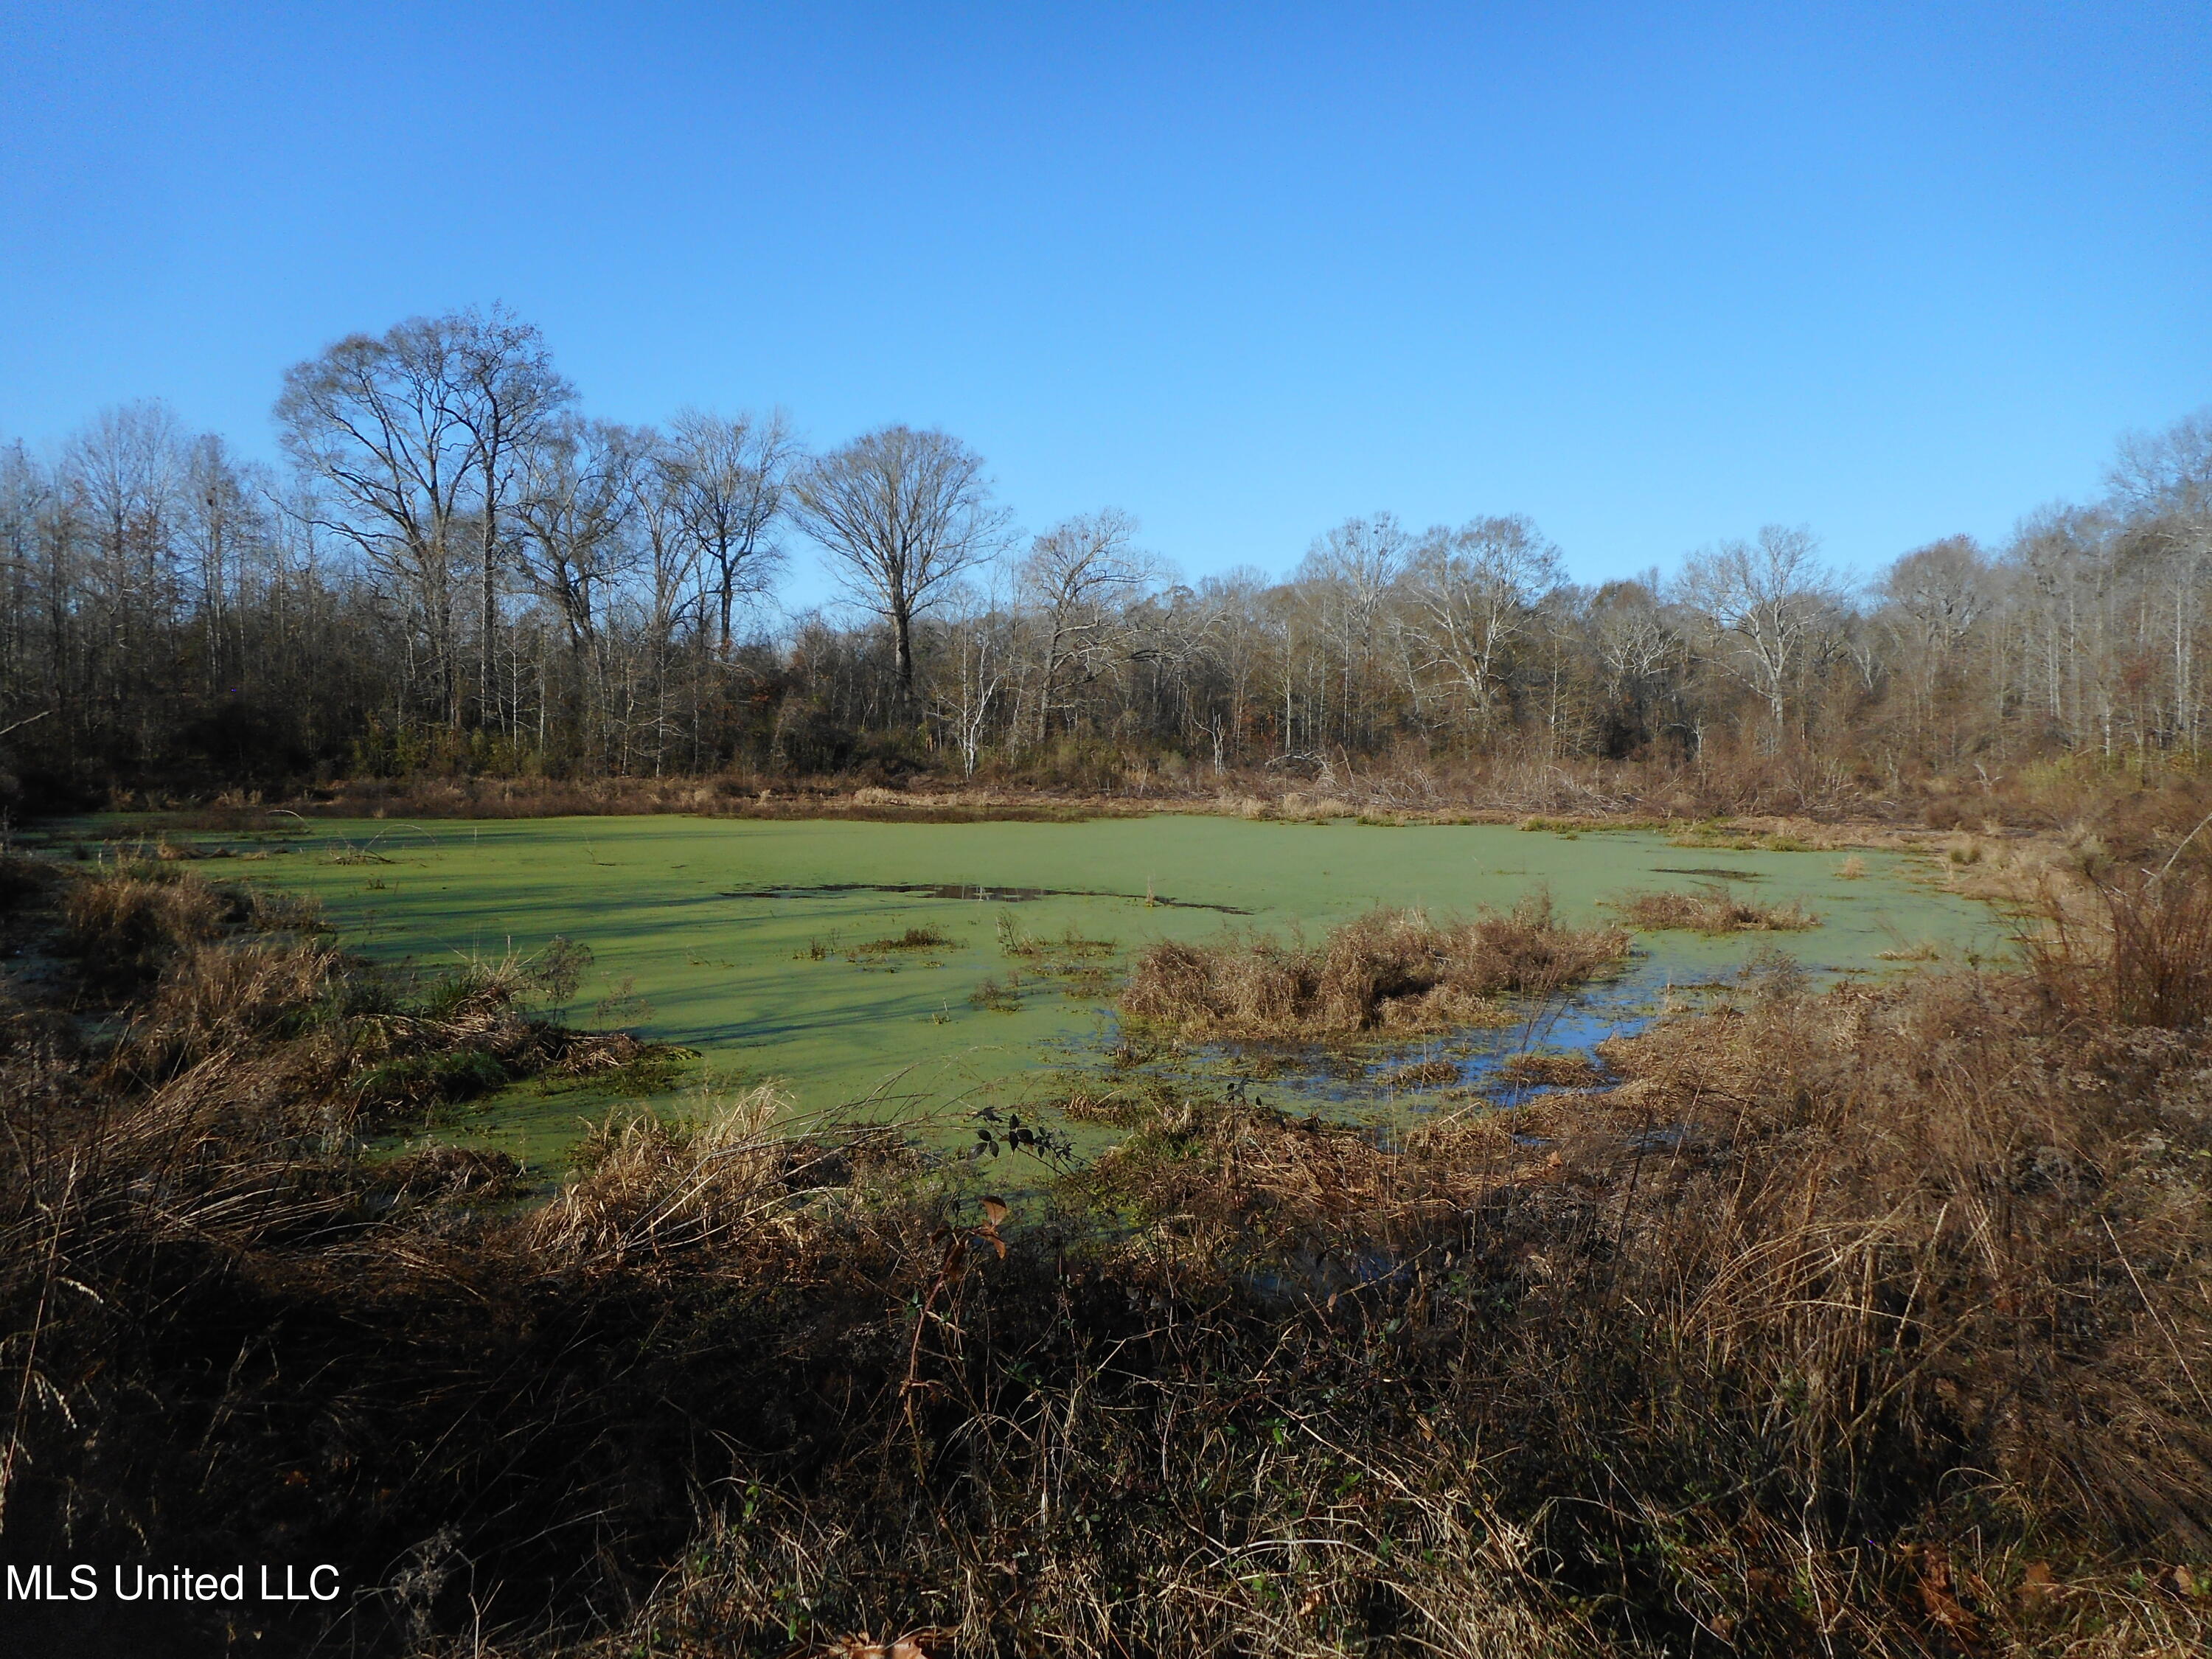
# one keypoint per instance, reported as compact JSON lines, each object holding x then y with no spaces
{"x":1652,"y":275}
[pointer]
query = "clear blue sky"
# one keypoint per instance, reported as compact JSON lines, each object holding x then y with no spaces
{"x":1651,"y":274}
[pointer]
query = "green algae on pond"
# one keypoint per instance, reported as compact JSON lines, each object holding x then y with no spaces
{"x":744,"y":937}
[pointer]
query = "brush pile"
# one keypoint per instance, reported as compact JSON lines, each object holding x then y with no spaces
{"x":1390,"y":971}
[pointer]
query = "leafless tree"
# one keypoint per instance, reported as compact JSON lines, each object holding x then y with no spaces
{"x":1078,"y":575}
{"x":579,"y":494}
{"x":1350,"y":570}
{"x":2163,"y":483}
{"x":727,"y":476}
{"x":456,"y":545}
{"x":508,"y":395}
{"x":1474,"y":591}
{"x":901,"y":514}
{"x":376,"y":422}
{"x":1764,"y":603}
{"x":979,"y":650}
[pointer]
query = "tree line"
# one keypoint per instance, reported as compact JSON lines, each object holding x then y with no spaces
{"x":458,"y":569}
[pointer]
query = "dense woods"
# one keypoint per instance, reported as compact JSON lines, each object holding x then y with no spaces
{"x":459,"y":571}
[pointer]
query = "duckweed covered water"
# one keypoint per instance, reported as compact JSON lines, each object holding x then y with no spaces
{"x":788,"y":949}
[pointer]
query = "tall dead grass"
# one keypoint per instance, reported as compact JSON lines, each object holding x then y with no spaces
{"x":1873,"y":1322}
{"x":1390,"y":969}
{"x":1712,"y":909}
{"x":2128,"y":945}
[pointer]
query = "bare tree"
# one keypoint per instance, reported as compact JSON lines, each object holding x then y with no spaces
{"x":124,"y":475}
{"x":375,"y":422}
{"x":415,"y":438}
{"x":1350,"y":569}
{"x":978,"y":639}
{"x":579,"y":492}
{"x":1765,"y":602}
{"x":1474,"y":591}
{"x":727,"y":477}
{"x":507,"y":394}
{"x":2163,"y":482}
{"x":1932,"y":598}
{"x":223,"y":522}
{"x":901,"y":514}
{"x":1074,"y":574}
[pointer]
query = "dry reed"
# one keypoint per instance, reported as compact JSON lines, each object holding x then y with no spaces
{"x":1874,"y":1322}
{"x":1710,"y":909}
{"x":1395,"y":970}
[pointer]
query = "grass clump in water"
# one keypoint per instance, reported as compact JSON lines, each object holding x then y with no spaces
{"x":1423,"y":1075}
{"x":1712,"y":909}
{"x":914,"y":938}
{"x":1390,"y":969}
{"x":1553,"y":1071}
{"x":999,"y":998}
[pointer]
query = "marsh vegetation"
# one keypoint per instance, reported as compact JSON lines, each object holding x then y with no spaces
{"x":1873,"y":1317}
{"x":1398,"y":971}
{"x":1712,"y":909}
{"x":765,"y":945}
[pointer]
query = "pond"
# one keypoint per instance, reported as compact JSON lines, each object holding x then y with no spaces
{"x":928,"y":966}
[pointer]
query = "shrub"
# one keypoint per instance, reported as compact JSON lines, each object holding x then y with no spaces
{"x":420,"y":1081}
{"x":1712,"y":909}
{"x":1394,"y":969}
{"x":123,"y":929}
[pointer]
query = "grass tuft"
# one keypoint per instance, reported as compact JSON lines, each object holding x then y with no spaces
{"x":1395,"y":970}
{"x":1712,"y":909}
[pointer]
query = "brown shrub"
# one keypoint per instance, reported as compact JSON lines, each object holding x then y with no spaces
{"x":218,"y":996}
{"x":1909,"y":1270}
{"x":1388,"y":970}
{"x":1709,"y":908}
{"x":1423,"y":1075}
{"x":123,"y":929}
{"x":914,"y":938}
{"x":2138,"y":951}
{"x":454,"y":1172}
{"x":734,"y":1172}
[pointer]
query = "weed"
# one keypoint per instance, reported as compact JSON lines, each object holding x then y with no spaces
{"x":1004,"y":999}
{"x":914,"y":938}
{"x":1925,"y":949}
{"x":1423,"y":1075}
{"x":1710,"y":909}
{"x":1388,"y":970}
{"x":1872,"y":1322}
{"x":125,"y":929}
{"x":1556,"y":1071}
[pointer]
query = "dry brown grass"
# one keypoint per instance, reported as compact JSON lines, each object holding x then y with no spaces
{"x":730,"y":1167}
{"x":1873,"y":1322}
{"x":1391,"y":970}
{"x":125,"y":929}
{"x":1556,"y":1071}
{"x":1710,"y":909}
{"x":1423,"y":1075}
